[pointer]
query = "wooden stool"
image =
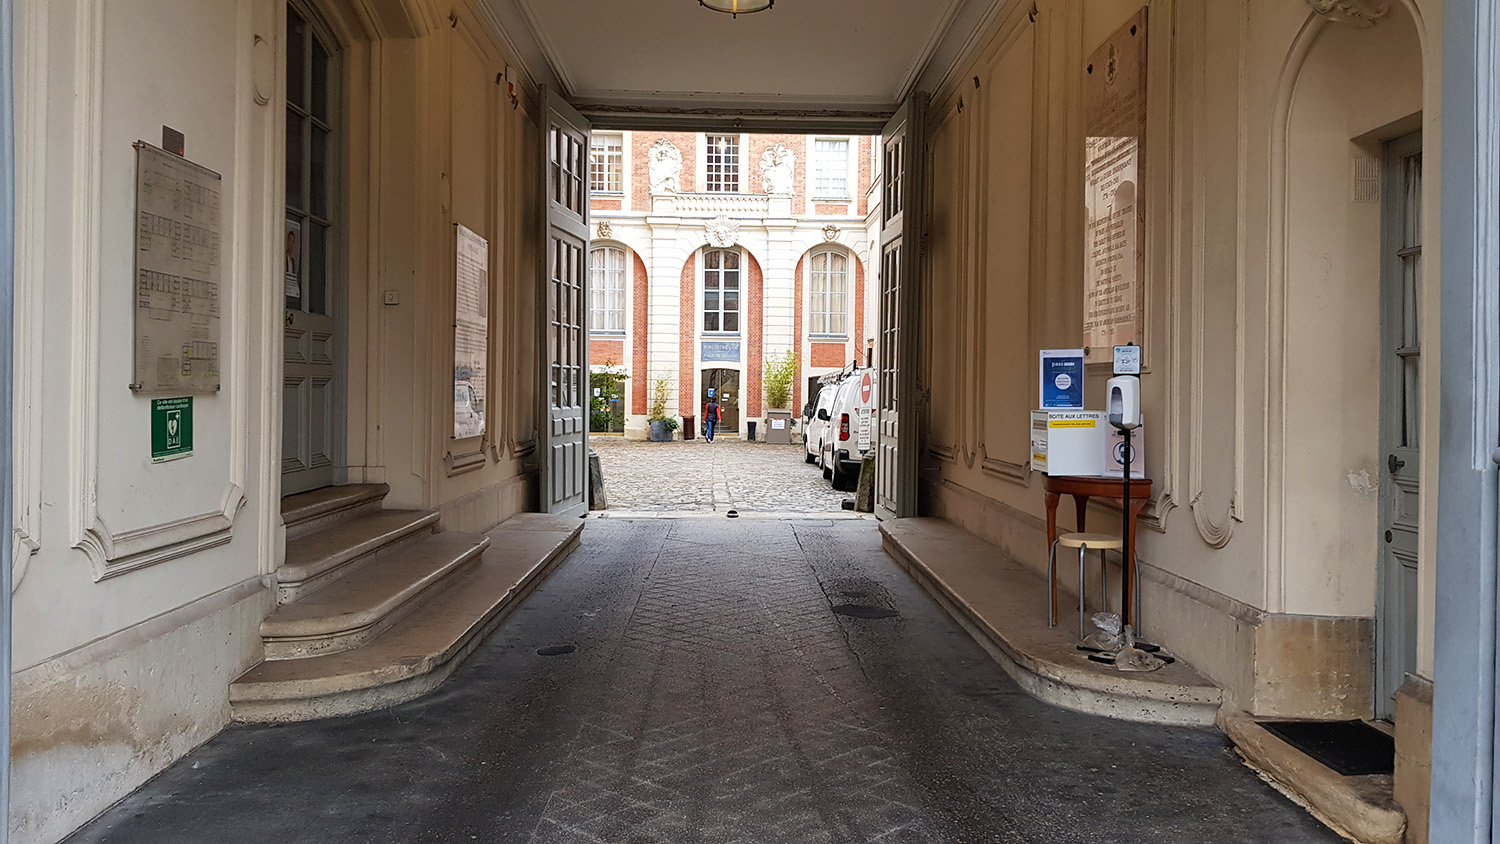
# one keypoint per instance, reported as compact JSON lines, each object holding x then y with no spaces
{"x":1084,"y":542}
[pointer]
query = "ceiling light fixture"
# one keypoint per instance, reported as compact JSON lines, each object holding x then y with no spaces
{"x":737,"y":7}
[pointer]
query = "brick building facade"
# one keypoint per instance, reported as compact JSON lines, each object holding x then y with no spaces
{"x":712,"y":254}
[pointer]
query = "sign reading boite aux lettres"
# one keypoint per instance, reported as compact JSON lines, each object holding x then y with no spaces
{"x":171,"y":429}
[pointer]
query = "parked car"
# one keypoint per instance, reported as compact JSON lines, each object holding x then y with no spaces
{"x":815,"y":422}
{"x":851,"y":428}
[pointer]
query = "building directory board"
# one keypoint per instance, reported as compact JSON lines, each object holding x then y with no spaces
{"x":177,"y":274}
{"x":1114,"y":294}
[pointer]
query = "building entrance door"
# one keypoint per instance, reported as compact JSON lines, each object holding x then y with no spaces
{"x":725,"y":384}
{"x":903,"y":156}
{"x":564,"y":165}
{"x":312,"y":422}
{"x":1401,"y":417}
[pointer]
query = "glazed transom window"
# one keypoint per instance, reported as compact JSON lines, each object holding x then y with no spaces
{"x":607,"y":289}
{"x":829,"y":293}
{"x":721,"y":290}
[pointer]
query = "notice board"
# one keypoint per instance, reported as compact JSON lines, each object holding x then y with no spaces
{"x":177,"y":274}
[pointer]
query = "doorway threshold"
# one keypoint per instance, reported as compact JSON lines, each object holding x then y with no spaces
{"x":829,"y":515}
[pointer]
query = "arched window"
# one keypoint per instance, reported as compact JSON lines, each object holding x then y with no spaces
{"x":830,"y":284}
{"x":607,"y":289}
{"x":721,"y":290}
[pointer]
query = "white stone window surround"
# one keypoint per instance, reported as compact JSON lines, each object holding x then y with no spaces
{"x":706,"y":275}
{"x":834,"y":169}
{"x":828,"y":275}
{"x":742,"y":142}
{"x":609,"y":290}
{"x":611,"y":145}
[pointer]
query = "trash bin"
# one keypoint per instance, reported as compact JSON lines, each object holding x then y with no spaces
{"x":689,"y":427}
{"x":779,"y":427}
{"x":750,"y":430}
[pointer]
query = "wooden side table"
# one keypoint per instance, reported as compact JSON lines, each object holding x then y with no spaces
{"x":1084,"y":488}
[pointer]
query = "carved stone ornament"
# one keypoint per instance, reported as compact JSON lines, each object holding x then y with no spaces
{"x":776,"y":166}
{"x":665,"y":167}
{"x":723,"y":232}
{"x":1361,"y":13}
{"x":605,"y":229}
{"x":830,"y":233}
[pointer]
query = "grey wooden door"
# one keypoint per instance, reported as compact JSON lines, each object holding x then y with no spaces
{"x":903,"y":154}
{"x":312,"y":406}
{"x":565,"y":145}
{"x":1401,"y":419}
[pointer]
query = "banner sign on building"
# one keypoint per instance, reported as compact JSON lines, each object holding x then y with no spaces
{"x":721,"y":350}
{"x":471,"y":333}
{"x":1114,"y":297}
{"x":177,"y":293}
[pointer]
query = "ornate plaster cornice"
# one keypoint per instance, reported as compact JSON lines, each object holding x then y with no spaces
{"x":723,"y":232}
{"x":1361,"y":13}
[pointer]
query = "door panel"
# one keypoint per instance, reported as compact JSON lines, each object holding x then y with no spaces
{"x":902,"y":213}
{"x":1400,"y":425}
{"x":310,"y":417}
{"x":565,"y":146}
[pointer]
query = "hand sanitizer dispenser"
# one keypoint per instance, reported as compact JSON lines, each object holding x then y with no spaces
{"x":1125,"y":402}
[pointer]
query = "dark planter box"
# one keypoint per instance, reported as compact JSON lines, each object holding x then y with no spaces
{"x":660,"y":433}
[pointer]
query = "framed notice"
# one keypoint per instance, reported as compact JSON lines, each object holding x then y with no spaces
{"x":177,"y":274}
{"x":471,"y":333}
{"x":1114,"y":300}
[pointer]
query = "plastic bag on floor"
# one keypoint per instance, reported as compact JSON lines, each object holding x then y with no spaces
{"x":1131,"y":658}
{"x":1106,"y":637}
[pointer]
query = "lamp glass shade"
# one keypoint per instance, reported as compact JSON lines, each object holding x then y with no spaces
{"x":737,"y":7}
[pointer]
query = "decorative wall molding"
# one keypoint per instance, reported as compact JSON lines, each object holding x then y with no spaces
{"x":112,"y":552}
{"x":722,"y":231}
{"x":31,"y":191}
{"x":776,"y":165}
{"x":665,"y":167}
{"x":1360,"y":13}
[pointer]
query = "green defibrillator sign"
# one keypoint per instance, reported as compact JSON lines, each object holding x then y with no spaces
{"x":171,"y":429}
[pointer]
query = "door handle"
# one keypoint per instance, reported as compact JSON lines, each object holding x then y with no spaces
{"x":1495,"y":456}
{"x":290,"y":317}
{"x":1395,"y":464}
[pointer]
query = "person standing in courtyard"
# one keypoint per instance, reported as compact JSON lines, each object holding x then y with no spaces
{"x":712,"y":415}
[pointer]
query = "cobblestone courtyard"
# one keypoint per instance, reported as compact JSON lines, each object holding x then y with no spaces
{"x":697,"y":476}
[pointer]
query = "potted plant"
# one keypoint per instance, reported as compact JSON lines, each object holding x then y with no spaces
{"x":662,"y":425}
{"x":779,"y":374}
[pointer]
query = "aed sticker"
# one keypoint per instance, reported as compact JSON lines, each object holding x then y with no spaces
{"x":1071,"y":423}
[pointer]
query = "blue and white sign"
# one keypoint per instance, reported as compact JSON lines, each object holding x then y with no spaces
{"x":1062,"y":378}
{"x":1128,"y":360}
{"x":725,"y":350}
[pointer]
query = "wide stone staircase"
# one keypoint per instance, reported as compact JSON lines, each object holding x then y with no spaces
{"x":377,"y":606}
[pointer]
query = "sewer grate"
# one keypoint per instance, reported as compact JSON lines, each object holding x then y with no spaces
{"x":862,"y":611}
{"x":556,"y":650}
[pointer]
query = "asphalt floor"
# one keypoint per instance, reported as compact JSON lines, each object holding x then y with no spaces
{"x":716,"y":680}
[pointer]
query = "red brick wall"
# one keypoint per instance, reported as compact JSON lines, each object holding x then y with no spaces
{"x":832,"y":209}
{"x":859,"y":309}
{"x":828,"y":354}
{"x":797,"y":332}
{"x":640,"y":166}
{"x":641,"y":322}
{"x":755,"y":329}
{"x":612,"y":204}
{"x":862,"y":196}
{"x":603,"y":352}
{"x":687,"y":335}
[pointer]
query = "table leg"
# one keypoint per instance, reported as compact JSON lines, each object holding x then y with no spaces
{"x":1052,"y":499}
{"x":1081,"y":506}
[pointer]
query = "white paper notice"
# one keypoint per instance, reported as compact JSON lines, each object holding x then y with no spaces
{"x":471,"y":333}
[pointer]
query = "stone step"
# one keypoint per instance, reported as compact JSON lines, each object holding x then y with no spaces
{"x":1003,"y":605}
{"x":306,"y":512}
{"x":420,"y":650}
{"x":356,"y":609}
{"x":319,"y":559}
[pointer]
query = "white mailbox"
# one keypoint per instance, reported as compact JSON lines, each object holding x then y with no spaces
{"x":1068,"y":442}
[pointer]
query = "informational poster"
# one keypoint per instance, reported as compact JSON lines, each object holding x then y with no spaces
{"x":1114,"y":230}
{"x":471,"y":333}
{"x":292,"y":260}
{"x":177,"y":266}
{"x":1061,"y":378}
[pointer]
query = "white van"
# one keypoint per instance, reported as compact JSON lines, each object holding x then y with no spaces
{"x":851,"y":428}
{"x":815,"y":422}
